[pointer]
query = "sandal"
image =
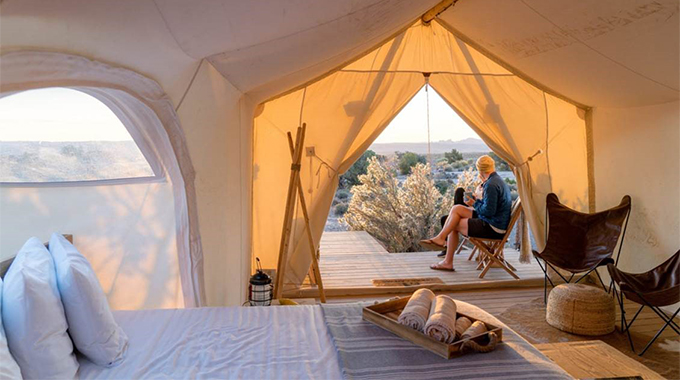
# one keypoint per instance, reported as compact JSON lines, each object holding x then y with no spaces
{"x":432,"y":246}
{"x":440,"y":266}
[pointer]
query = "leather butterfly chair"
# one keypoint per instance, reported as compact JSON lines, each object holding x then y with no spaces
{"x":654,"y":289}
{"x":580,"y":242}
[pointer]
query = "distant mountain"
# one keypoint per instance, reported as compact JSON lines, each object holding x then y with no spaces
{"x":468,"y":145}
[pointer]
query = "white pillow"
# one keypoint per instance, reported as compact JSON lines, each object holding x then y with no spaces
{"x":9,"y":368}
{"x":90,"y":322}
{"x":34,"y":316}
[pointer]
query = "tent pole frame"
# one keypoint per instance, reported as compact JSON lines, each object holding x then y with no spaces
{"x":295,"y":189}
{"x":436,"y":11}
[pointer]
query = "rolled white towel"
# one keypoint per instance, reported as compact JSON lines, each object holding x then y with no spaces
{"x":441,"y":324}
{"x":417,"y":309}
{"x":462,"y":324}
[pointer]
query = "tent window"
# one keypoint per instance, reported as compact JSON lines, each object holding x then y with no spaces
{"x":55,"y":135}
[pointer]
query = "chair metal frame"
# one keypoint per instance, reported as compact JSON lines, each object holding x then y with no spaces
{"x":544,"y":268}
{"x":625,"y":326}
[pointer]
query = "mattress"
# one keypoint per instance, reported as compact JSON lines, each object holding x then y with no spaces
{"x":282,"y":342}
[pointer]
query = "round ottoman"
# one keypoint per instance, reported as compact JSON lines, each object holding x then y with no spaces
{"x":581,"y":309}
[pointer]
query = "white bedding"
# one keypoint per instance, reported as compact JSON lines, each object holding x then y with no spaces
{"x":229,"y":342}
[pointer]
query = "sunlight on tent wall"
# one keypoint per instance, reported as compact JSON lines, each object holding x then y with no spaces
{"x":70,"y":165}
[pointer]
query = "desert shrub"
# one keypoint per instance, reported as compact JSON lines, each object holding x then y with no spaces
{"x":468,"y":180}
{"x":396,"y":216}
{"x":340,"y":209}
{"x":442,"y":186}
{"x":453,"y":156}
{"x":408,"y":160}
{"x":440,"y":175}
{"x":342,"y":194}
{"x":351,"y":176}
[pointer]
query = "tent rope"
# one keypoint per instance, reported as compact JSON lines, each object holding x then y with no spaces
{"x":427,"y":100}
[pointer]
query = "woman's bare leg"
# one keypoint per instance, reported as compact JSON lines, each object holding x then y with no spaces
{"x":452,"y":243}
{"x":457,"y":213}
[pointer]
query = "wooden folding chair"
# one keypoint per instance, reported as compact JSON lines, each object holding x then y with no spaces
{"x":491,"y":250}
{"x":464,"y":240}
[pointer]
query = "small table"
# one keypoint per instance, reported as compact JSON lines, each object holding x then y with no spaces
{"x":594,"y":359}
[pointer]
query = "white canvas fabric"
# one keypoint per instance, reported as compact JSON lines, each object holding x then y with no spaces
{"x":146,"y":112}
{"x":90,"y":322}
{"x":10,"y":368}
{"x":33,"y":316}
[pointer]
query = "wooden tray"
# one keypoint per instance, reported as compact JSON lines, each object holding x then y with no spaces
{"x":385,"y":315}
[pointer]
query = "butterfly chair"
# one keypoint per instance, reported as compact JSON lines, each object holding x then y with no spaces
{"x":491,"y":250}
{"x":654,"y":289}
{"x":580,"y":242}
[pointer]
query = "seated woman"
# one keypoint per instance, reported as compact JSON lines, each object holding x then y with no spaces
{"x":485,"y":216}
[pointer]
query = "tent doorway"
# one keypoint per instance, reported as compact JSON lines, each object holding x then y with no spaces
{"x":541,"y":135}
{"x":372,"y":248}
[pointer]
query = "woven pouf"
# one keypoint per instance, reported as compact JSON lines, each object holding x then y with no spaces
{"x":581,"y":309}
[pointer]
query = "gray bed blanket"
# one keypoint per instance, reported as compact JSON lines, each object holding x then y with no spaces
{"x":366,"y":351}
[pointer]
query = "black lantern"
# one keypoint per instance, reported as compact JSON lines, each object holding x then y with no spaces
{"x":260,"y":289}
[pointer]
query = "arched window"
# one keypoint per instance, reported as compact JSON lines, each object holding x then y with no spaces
{"x":60,"y":135}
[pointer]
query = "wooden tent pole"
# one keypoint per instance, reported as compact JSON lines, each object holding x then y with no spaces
{"x":288,"y":215}
{"x":316,"y":272}
{"x":437,"y":10}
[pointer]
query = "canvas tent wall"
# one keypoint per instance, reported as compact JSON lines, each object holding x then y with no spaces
{"x":216,"y":60}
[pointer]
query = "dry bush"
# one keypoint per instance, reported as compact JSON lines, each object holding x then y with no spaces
{"x":397,"y":216}
{"x":469,"y":180}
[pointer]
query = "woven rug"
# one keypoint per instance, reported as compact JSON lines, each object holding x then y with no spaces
{"x":407,"y":281}
{"x":528,"y":320}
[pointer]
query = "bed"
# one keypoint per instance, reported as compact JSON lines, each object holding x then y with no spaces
{"x":297,"y":342}
{"x":282,"y":342}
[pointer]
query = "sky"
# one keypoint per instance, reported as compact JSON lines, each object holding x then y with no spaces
{"x":60,"y":114}
{"x":410,"y":125}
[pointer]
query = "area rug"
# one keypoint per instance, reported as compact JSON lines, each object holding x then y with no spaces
{"x":407,"y":281}
{"x":528,"y":320}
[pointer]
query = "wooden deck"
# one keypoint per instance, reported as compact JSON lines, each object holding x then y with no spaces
{"x":350,"y":261}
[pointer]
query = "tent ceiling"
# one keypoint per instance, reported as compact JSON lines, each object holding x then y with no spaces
{"x":598,"y":52}
{"x":106,"y":31}
{"x":204,"y":28}
{"x":313,"y":43}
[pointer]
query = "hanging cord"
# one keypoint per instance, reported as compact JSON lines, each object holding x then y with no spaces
{"x":427,"y":100}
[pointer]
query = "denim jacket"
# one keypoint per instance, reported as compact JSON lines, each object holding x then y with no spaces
{"x":496,"y":205}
